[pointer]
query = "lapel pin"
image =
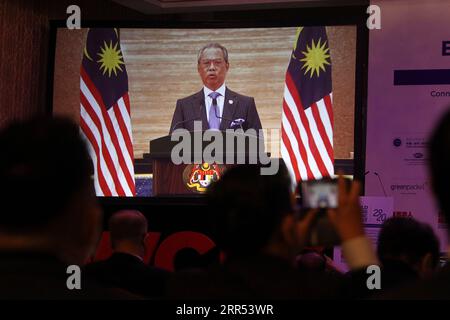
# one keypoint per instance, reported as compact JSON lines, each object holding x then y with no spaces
{"x":230,"y":101}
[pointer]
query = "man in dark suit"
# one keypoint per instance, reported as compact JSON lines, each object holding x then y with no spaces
{"x":216,"y":106}
{"x":126,"y":269}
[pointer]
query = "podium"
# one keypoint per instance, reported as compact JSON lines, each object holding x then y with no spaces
{"x":177,"y":159}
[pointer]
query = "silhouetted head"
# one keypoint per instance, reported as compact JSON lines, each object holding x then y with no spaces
{"x":251,"y":211}
{"x":128,"y":232}
{"x":411,"y":242}
{"x":47,"y":197}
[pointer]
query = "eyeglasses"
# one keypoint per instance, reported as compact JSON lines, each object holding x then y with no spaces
{"x":207,"y":63}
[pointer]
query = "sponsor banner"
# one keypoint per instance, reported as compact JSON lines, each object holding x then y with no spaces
{"x":407,"y":94}
{"x":375,"y":210}
{"x":407,"y":188}
{"x":409,"y":149}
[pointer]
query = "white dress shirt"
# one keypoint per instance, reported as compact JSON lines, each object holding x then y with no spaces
{"x":220,"y":100}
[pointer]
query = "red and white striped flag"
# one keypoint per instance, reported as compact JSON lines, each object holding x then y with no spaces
{"x":307,"y":119}
{"x":105,"y":113}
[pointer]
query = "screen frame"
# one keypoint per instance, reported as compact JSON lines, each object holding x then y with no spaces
{"x":264,"y":18}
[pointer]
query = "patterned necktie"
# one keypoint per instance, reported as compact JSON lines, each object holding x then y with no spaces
{"x":214,"y":120}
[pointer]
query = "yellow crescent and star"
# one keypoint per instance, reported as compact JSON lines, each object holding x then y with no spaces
{"x":110,"y":57}
{"x":316,"y":56}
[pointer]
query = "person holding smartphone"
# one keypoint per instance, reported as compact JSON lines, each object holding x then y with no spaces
{"x":254,"y":223}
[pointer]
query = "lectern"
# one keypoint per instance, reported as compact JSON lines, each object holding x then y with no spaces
{"x":185,"y":164}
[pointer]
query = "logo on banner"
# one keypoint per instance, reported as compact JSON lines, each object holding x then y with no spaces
{"x":412,"y":188}
{"x":198,"y":177}
{"x":397,"y":142}
{"x":411,"y":150}
{"x":442,"y":224}
{"x":403,"y":214}
{"x":416,"y":142}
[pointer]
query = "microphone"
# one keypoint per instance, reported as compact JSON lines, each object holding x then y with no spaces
{"x":184,"y":121}
{"x":381,"y":183}
{"x":181,"y":122}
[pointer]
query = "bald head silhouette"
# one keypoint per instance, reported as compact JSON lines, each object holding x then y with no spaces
{"x":128,"y":231}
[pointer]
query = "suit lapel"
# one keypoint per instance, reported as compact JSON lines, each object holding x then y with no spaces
{"x":198,"y":105}
{"x":229,"y":107}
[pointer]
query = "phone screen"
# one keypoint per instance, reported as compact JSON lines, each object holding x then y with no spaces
{"x":319,"y":194}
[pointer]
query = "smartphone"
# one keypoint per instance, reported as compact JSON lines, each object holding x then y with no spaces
{"x":319,"y":194}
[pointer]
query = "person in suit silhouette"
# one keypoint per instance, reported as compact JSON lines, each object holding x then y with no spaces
{"x":126,"y":268}
{"x":49,"y":216}
{"x":254,"y":222}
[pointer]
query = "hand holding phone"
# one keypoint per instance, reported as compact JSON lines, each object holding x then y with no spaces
{"x":339,"y":216}
{"x":346,"y":218}
{"x":319,"y":195}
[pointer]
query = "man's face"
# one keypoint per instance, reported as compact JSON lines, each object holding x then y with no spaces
{"x":212,"y":68}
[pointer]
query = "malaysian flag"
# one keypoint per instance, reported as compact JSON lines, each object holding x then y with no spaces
{"x":105,"y":113}
{"x":307,"y":119}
